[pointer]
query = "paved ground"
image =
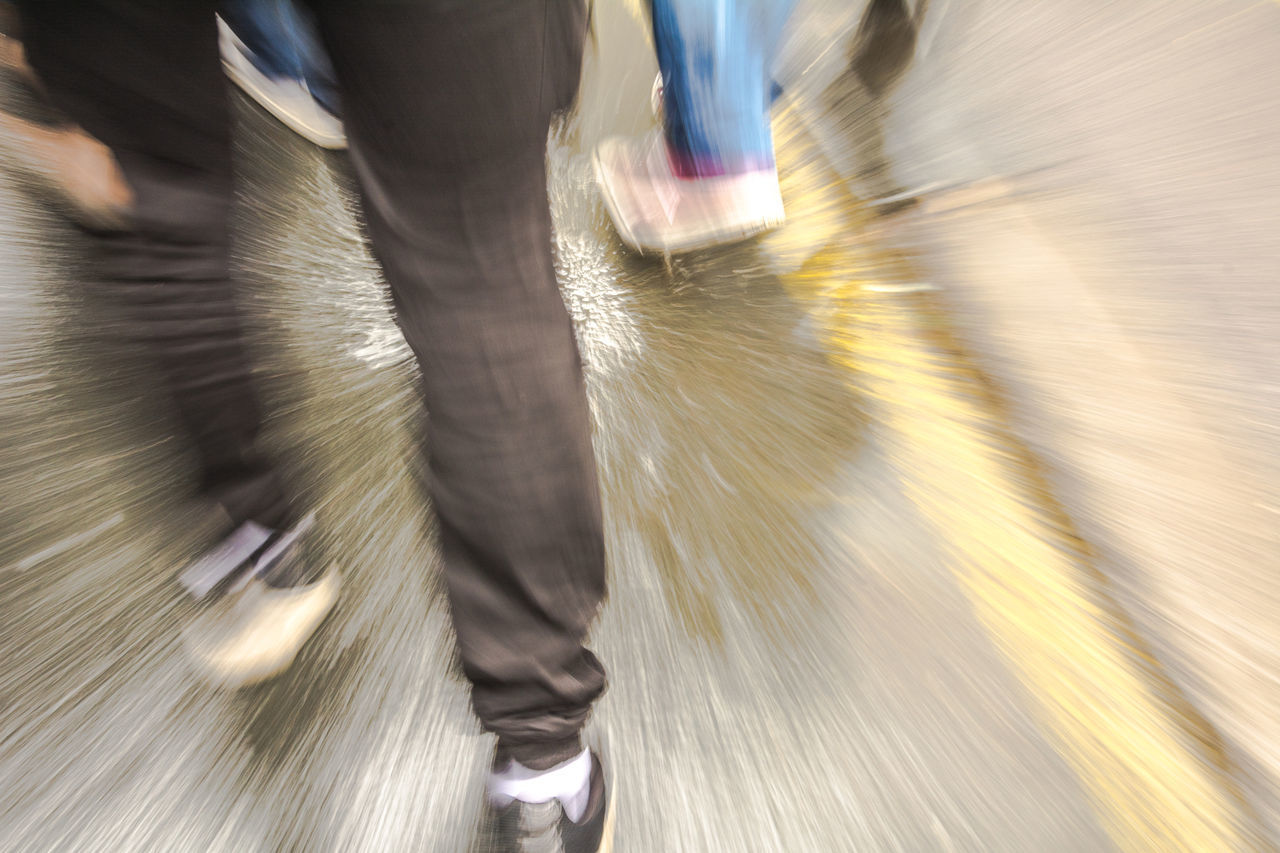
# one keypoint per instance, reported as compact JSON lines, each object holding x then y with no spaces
{"x":1115,"y":275}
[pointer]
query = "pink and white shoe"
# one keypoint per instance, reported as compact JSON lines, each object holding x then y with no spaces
{"x":656,"y":210}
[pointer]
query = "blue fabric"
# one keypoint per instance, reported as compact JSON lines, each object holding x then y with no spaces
{"x":283,"y":42}
{"x":716,"y":58}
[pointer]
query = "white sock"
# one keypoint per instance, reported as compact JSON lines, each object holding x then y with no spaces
{"x":569,"y":782}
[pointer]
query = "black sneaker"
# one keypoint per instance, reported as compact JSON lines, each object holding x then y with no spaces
{"x":545,"y":828}
{"x":264,"y":609}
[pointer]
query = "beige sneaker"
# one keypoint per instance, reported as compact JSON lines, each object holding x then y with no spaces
{"x":255,"y":634}
{"x":655,"y":210}
{"x":272,"y":604}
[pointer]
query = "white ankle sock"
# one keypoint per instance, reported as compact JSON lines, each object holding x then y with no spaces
{"x":569,"y":782}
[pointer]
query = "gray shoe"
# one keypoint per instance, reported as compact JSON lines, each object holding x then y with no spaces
{"x":519,"y":827}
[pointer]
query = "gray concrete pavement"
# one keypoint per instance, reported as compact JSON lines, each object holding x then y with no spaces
{"x":1124,"y":299}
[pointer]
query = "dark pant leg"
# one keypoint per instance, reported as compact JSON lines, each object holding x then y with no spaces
{"x":144,"y":76}
{"x":447,"y":106}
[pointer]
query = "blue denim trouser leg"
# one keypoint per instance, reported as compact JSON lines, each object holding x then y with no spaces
{"x":716,"y":58}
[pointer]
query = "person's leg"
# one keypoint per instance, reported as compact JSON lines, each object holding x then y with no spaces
{"x":448,"y":105}
{"x":709,"y":177}
{"x":146,"y":80}
{"x":267,"y":28}
{"x":885,"y":44}
{"x":716,"y":60}
{"x":317,"y":70}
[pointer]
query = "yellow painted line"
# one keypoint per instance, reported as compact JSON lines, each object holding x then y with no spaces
{"x":1151,"y":766}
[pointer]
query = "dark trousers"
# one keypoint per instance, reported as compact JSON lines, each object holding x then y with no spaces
{"x":447,"y":105}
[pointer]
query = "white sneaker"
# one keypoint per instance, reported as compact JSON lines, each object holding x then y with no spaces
{"x":254,"y":634}
{"x":287,"y":99}
{"x":271,"y":607}
{"x":655,"y":210}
